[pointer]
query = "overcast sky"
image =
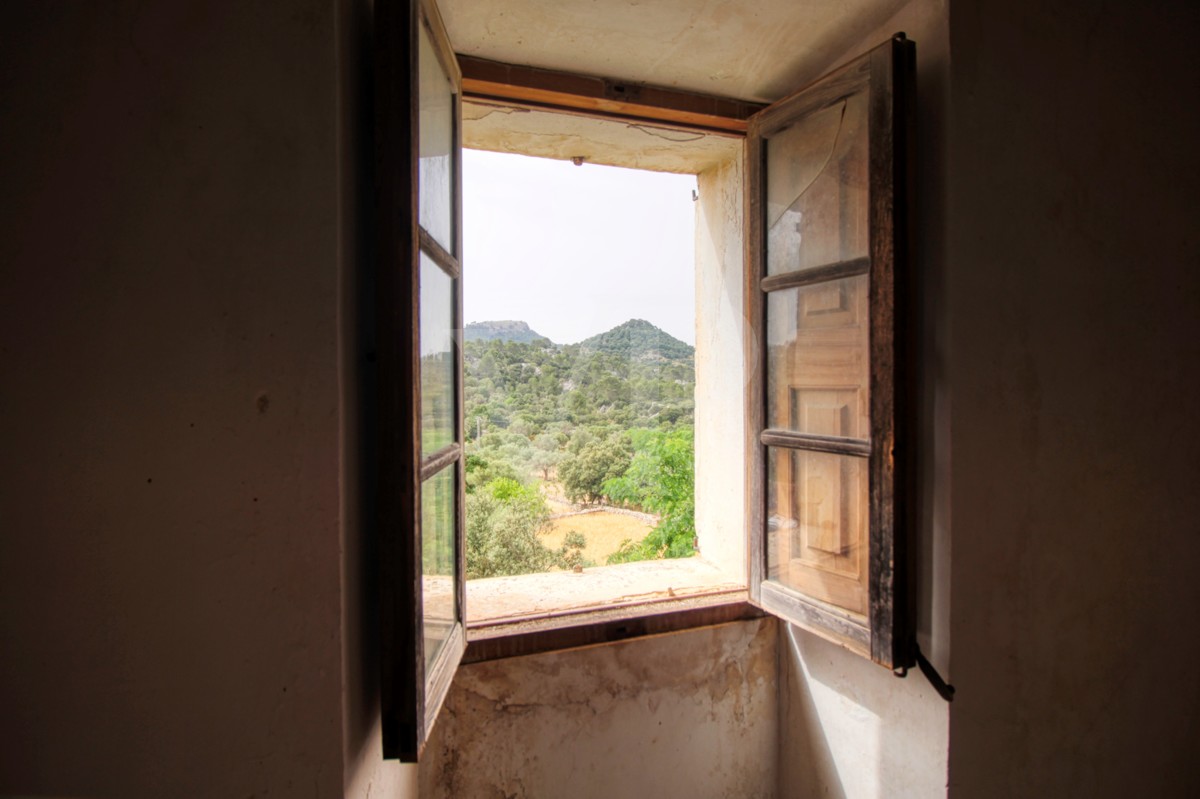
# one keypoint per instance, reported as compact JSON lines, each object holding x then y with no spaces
{"x":576,"y":250}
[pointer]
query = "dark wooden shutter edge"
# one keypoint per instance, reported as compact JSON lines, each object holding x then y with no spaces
{"x":909,"y":323}
{"x":890,"y":463}
{"x":398,"y":475}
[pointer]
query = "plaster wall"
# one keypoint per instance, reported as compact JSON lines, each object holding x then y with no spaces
{"x":720,"y":402}
{"x":729,"y":48}
{"x":548,"y":134}
{"x":1075,"y":292}
{"x":169,"y":564}
{"x":688,"y":714}
{"x":848,"y":727}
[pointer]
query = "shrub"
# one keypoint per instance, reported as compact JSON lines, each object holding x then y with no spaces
{"x":504,"y":522}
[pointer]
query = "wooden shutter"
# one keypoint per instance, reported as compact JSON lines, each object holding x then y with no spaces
{"x":828,"y":247}
{"x":419,"y":493}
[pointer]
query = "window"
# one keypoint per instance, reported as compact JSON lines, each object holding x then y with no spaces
{"x":419,"y":401}
{"x":600,"y":255}
{"x":824,"y":407}
{"x":828,"y":245}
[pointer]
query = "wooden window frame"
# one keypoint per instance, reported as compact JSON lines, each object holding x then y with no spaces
{"x":572,"y":93}
{"x":887,"y":73}
{"x":603,"y":98}
{"x":411,"y":698}
{"x":410,"y":695}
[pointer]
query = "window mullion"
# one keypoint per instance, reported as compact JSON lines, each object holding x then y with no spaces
{"x":439,"y":255}
{"x":810,"y":442}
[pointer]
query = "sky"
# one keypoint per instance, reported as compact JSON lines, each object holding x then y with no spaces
{"x":577,"y":250}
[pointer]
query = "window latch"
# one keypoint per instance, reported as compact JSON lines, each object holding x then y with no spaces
{"x":944,"y":689}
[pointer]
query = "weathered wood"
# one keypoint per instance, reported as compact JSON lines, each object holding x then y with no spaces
{"x":818,"y":274}
{"x":883,"y":364}
{"x":440,"y":460}
{"x":437,"y":681}
{"x":410,"y":697}
{"x":441,"y":674}
{"x":555,"y":90}
{"x":819,"y":94}
{"x":815,"y":616}
{"x":837,"y":445}
{"x":884,"y":635}
{"x":592,"y":627}
{"x":890,"y":583}
{"x":438,"y":254}
{"x":398,"y":401}
{"x":431,"y":18}
{"x":909,"y":301}
{"x":754,"y":355}
{"x":460,"y":514}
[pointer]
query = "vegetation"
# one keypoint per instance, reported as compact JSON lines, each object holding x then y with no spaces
{"x":593,"y":465}
{"x":660,"y":479}
{"x":503,"y":331}
{"x":504,"y":519}
{"x":608,"y":420}
{"x":640,"y":340}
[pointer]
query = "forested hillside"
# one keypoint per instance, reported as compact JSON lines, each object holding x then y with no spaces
{"x":504,"y":330}
{"x":639,"y":340}
{"x":607,"y":420}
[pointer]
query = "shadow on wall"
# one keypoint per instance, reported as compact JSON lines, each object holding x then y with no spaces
{"x":852,"y":729}
{"x":805,"y":756}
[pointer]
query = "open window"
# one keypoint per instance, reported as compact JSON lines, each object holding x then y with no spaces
{"x":821,"y":289}
{"x":827,"y":208}
{"x":419,"y":401}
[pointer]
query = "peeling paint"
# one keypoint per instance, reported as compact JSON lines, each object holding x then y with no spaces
{"x":687,"y":714}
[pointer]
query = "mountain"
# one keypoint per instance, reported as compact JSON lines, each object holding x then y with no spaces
{"x":639,"y":340}
{"x":504,"y":330}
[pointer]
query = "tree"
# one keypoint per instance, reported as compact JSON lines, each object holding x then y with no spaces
{"x":583,"y":474}
{"x":546,"y":454}
{"x":483,"y":469}
{"x":661,"y":479}
{"x":504,"y":519}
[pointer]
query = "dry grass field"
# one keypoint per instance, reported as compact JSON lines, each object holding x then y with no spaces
{"x":604,"y":532}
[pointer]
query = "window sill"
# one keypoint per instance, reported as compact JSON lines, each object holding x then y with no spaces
{"x":511,"y":616}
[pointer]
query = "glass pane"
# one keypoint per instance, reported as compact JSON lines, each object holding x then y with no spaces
{"x":435,"y":171}
{"x":816,"y":176}
{"x":817,"y":525}
{"x":437,"y":358}
{"x":437,"y":560}
{"x":817,"y":359}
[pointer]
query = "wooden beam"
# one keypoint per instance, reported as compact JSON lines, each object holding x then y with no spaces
{"x":550,"y":89}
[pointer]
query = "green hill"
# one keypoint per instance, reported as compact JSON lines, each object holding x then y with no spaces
{"x":637,"y":339}
{"x":503,"y":330}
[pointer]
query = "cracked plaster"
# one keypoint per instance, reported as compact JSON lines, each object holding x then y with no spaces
{"x":687,"y":714}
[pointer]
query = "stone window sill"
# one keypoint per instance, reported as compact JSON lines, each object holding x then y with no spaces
{"x":508,"y":616}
